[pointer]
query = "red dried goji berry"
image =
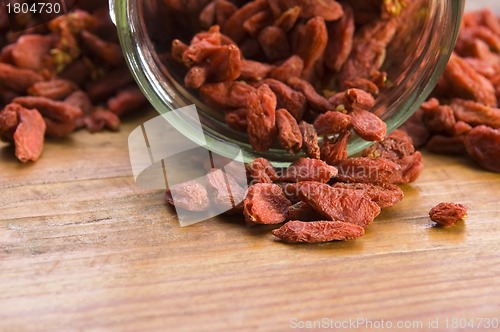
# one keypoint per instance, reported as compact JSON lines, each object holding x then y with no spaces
{"x":307,"y":169}
{"x":483,"y":145}
{"x":190,"y":195}
{"x":310,"y":140}
{"x":335,"y":149}
{"x":384,"y":194}
{"x":317,"y":231}
{"x":289,"y":134}
{"x":261,"y":118}
{"x":448,"y":214}
{"x":260,"y":170}
{"x":339,"y":204}
{"x":265,"y":203}
{"x":332,"y":122}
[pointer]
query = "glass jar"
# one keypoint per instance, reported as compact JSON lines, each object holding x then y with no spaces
{"x":414,"y":61}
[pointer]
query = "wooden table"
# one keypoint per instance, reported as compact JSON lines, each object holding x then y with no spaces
{"x":83,"y":248}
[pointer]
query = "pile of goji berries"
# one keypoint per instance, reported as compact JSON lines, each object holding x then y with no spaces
{"x":463,"y":117}
{"x":58,"y":77}
{"x":263,"y":64}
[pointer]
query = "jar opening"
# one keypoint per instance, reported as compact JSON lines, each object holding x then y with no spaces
{"x":413,"y":60}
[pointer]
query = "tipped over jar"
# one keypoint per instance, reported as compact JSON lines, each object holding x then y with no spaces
{"x":283,"y":79}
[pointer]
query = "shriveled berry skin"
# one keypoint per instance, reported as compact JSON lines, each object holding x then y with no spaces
{"x":483,"y":145}
{"x":265,"y":203}
{"x":307,"y":169}
{"x":317,"y":231}
{"x":448,"y":214}
{"x":339,"y":204}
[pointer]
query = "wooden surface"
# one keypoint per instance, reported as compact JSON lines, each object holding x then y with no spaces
{"x":82,"y":248}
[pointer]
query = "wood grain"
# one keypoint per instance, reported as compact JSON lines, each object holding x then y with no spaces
{"x":83,"y":248}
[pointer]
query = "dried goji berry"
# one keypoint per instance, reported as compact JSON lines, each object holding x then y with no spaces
{"x":237,"y":119}
{"x":411,"y":167}
{"x":475,"y":113}
{"x":233,"y":27}
{"x":260,"y":170}
{"x":291,"y":67}
{"x":329,"y":10}
{"x":340,"y":40}
{"x":384,"y":194}
{"x":448,"y":214}
{"x":335,"y":149}
{"x":303,"y":211}
{"x":126,"y":101}
{"x":310,"y":140}
{"x":101,"y":118}
{"x":463,"y":80}
{"x":395,"y":146}
{"x":178,"y":49}
{"x":368,"y":170}
{"x":359,"y":100}
{"x":54,"y":89}
{"x":55,"y":110}
{"x":196,"y":77}
{"x":339,"y":204}
{"x":28,"y":137}
{"x":254,"y":70}
{"x":317,"y":231}
{"x":368,"y":52}
{"x":288,"y":18}
{"x":307,"y":169}
{"x":274,"y":43}
{"x":364,"y":84}
{"x":226,"y":193}
{"x":265,"y":203}
{"x":483,"y":145}
{"x":367,"y":125}
{"x":225,"y":64}
{"x":312,"y":43}
{"x":293,"y":101}
{"x":258,"y":22}
{"x":18,"y":79}
{"x":289,"y":134}
{"x":226,"y":95}
{"x":31,"y":51}
{"x":81,"y":100}
{"x":9,"y":120}
{"x":439,"y":119}
{"x":454,"y":145}
{"x":108,"y":52}
{"x":316,"y":102}
{"x":261,"y":118}
{"x":332,"y":122}
{"x":26,"y":128}
{"x":207,"y":15}
{"x":190,"y":195}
